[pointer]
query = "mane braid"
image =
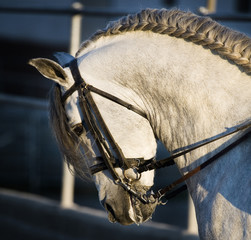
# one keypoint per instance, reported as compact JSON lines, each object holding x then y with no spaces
{"x":204,"y":31}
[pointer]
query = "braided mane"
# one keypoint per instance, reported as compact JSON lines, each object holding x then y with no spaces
{"x":204,"y":31}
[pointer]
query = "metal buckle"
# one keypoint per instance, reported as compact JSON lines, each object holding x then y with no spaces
{"x":143,"y":198}
{"x":160,"y":202}
{"x":159,"y":196}
{"x":148,"y":200}
{"x":130,"y":180}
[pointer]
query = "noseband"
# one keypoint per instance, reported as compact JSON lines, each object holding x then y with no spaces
{"x":111,"y":154}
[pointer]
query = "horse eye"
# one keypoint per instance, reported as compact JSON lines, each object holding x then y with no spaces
{"x":78,"y":129}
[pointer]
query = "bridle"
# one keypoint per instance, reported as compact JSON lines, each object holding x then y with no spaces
{"x":111,"y":154}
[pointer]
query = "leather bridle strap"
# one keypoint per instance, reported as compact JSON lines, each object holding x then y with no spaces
{"x":162,"y":192}
{"x":133,"y":162}
{"x":116,"y":100}
{"x":169,"y":160}
{"x":100,"y":92}
{"x":100,"y":132}
{"x":92,"y":115}
{"x":88,"y":105}
{"x":100,"y":141}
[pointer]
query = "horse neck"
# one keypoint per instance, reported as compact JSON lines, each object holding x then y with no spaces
{"x":196,"y":106}
{"x":198,"y":101}
{"x":188,"y":92}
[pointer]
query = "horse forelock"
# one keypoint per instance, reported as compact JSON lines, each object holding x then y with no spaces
{"x":204,"y":31}
{"x":68,"y":142}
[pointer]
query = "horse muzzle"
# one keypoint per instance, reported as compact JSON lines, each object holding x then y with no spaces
{"x":128,"y":210}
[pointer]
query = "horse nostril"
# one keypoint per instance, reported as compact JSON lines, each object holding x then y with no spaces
{"x":110,"y":210}
{"x":108,"y":207}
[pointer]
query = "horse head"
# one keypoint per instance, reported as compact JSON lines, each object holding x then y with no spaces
{"x":190,"y":76}
{"x":131,"y":132}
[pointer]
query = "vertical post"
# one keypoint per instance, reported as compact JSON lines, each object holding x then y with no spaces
{"x":210,"y":8}
{"x":67,"y":193}
{"x":192,"y":222}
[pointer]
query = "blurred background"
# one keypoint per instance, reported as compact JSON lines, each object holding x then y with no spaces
{"x":30,"y":163}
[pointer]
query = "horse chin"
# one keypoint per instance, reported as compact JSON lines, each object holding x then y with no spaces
{"x":111,"y":218}
{"x":142,"y":212}
{"x":138,"y":215}
{"x":136,"y":212}
{"x":125,"y":220}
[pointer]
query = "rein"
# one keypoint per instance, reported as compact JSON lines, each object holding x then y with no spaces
{"x":107,"y":145}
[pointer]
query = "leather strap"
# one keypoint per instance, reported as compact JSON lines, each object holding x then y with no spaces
{"x":169,"y":160}
{"x":133,"y":162}
{"x":96,"y":124}
{"x":78,"y":82}
{"x":91,"y":112}
{"x":162,"y":192}
{"x":117,"y":100}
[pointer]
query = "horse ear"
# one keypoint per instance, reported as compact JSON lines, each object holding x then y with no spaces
{"x":50,"y":70}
